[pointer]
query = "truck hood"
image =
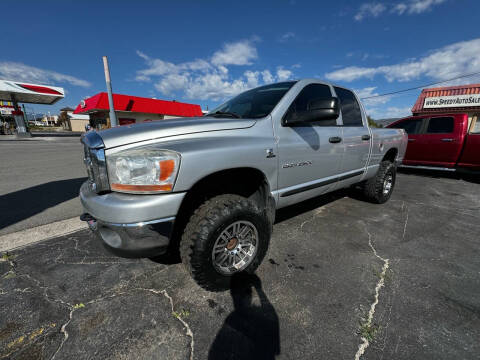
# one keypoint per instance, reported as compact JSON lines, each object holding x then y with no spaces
{"x":124,"y":135}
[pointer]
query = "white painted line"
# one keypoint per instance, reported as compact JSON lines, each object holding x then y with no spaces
{"x":40,"y":233}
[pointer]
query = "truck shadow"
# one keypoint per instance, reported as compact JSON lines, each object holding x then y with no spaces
{"x":309,"y":205}
{"x":22,"y":204}
{"x":438,"y":174}
{"x":249,"y":331}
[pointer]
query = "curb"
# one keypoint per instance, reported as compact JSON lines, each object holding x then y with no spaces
{"x":40,"y":233}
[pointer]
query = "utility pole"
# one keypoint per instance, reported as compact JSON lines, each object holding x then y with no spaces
{"x":113,"y":117}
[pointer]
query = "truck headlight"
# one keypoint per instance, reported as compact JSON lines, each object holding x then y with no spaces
{"x":144,"y":170}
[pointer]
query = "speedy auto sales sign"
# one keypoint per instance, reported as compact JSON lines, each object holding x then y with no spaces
{"x":451,"y":101}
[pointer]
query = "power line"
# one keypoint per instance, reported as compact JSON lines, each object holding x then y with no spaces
{"x":422,"y":86}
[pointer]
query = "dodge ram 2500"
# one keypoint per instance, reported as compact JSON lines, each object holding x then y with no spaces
{"x":209,"y":186}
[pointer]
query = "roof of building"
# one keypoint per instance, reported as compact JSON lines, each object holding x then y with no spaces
{"x":137,"y":104}
{"x":68,"y":108}
{"x":445,"y":91}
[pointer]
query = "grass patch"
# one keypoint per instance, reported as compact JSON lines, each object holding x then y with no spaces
{"x":79,"y":306}
{"x":368,"y":331}
{"x":181,"y":314}
{"x":9,"y":275}
{"x":7,"y":256}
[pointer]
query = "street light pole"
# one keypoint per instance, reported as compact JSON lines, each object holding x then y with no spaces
{"x":113,"y":117}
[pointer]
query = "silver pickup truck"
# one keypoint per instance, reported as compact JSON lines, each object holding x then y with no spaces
{"x":209,"y":186}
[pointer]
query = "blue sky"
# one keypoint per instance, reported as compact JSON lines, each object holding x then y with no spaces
{"x":206,"y":51}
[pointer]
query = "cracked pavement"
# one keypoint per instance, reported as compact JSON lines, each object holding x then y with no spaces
{"x":68,"y":297}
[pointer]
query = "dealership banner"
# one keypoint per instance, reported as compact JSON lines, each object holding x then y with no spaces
{"x":452,"y":101}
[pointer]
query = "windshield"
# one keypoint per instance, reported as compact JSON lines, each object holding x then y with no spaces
{"x":255,"y":103}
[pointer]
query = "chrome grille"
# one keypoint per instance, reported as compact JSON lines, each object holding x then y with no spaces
{"x":94,"y":158}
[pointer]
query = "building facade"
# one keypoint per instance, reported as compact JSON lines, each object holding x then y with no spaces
{"x":463,"y":99}
{"x":75,"y":122}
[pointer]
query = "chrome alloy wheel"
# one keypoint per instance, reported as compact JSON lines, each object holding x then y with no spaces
{"x":235,"y":248}
{"x":387,"y":184}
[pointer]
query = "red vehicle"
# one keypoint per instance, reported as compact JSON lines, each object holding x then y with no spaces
{"x":448,"y":141}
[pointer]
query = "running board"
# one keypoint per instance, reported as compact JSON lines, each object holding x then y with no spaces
{"x":428,"y":167}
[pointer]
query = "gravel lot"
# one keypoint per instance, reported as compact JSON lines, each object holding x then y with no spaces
{"x":68,"y":298}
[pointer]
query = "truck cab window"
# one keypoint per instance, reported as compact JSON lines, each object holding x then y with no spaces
{"x":351,"y":114}
{"x":440,"y":125}
{"x":310,"y":93}
{"x":412,"y":126}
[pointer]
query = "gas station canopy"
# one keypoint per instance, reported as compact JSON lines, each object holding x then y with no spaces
{"x":30,"y":93}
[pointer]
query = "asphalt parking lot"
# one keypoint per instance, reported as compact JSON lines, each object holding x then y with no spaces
{"x":68,"y":298}
{"x":39,"y":183}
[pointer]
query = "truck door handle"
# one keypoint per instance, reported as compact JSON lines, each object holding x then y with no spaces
{"x":411,"y":140}
{"x":447,"y":140}
{"x":335,"y":139}
{"x":365,"y":137}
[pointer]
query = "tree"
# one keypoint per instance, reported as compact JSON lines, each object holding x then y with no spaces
{"x":63,"y":119}
{"x":372,"y":123}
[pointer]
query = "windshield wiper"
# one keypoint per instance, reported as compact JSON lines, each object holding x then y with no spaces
{"x":223,"y":113}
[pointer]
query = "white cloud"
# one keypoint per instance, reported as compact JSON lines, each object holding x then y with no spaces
{"x":267,"y":77}
{"x":368,"y":92}
{"x":239,"y":53}
{"x":410,"y":7}
{"x":209,"y":78}
{"x":399,"y":8}
{"x":350,"y":73}
{"x":369,"y":10}
{"x":415,"y":6}
{"x":172,"y":83}
{"x":389,"y":112}
{"x":374,"y":106}
{"x":21,"y":72}
{"x":158,"y":67}
{"x":447,"y":62}
{"x":287,"y":36}
{"x":214,"y":86}
{"x":283,"y":74}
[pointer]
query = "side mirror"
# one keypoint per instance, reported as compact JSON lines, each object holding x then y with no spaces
{"x":317,"y":110}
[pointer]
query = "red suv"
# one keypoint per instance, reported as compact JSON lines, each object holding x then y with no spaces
{"x":446,"y":141}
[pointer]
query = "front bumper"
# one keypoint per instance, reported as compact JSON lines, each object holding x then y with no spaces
{"x":131,"y":225}
{"x":143,"y":239}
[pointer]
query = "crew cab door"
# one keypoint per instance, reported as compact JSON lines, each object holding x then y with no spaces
{"x":444,"y":135}
{"x":356,"y":138}
{"x":417,"y":143}
{"x":309,"y":154}
{"x":471,"y":151}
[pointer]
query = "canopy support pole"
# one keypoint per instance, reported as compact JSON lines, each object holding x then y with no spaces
{"x":19,"y":120}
